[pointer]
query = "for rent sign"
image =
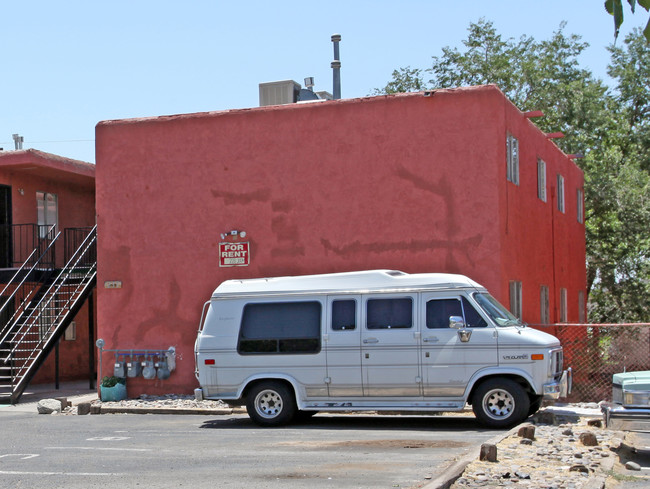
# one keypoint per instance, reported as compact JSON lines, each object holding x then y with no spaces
{"x":234,"y":254}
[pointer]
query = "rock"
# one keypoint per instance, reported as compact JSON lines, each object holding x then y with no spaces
{"x":64,"y":402}
{"x":522,"y":475}
{"x":632,"y":466}
{"x":546,"y":417}
{"x":598,"y":423}
{"x":527,"y":431}
{"x":48,"y":406}
{"x":579,"y":468}
{"x":588,"y":439}
{"x":526,"y":441}
{"x":568,"y":432}
{"x":83,"y":408}
{"x":488,"y":452}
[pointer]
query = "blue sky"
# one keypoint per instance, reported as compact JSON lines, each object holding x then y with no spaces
{"x":68,"y":65}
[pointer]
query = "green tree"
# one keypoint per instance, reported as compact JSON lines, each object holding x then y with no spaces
{"x":618,"y":182}
{"x":404,"y":80}
{"x":610,"y":127}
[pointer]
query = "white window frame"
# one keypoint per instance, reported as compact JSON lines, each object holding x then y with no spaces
{"x":71,"y":332}
{"x":580,"y":196}
{"x":541,"y":179}
{"x":512,"y":156}
{"x":516,"y":298}
{"x":560,"y":194}
{"x":47,"y":210}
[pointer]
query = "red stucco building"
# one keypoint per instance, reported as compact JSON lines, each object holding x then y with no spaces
{"x":47,"y":210}
{"x":447,"y":181}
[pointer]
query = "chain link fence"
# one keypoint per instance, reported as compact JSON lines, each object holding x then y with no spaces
{"x":597,"y":351}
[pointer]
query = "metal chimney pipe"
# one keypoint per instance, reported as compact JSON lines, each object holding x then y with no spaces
{"x":336,"y":67}
{"x":18,"y":141}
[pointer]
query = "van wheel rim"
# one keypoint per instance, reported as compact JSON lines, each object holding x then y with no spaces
{"x":498,"y":404}
{"x":268,"y":404}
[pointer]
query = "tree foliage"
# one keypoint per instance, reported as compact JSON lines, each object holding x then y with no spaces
{"x":615,"y":9}
{"x":609,"y":125}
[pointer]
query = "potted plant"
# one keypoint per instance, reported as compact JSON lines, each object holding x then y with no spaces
{"x":113,"y":388}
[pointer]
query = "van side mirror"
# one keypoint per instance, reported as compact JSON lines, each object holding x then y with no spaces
{"x":456,"y":322}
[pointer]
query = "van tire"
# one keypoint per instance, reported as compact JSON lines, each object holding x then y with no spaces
{"x":271,"y":403}
{"x":500,"y":403}
{"x":535,"y":404}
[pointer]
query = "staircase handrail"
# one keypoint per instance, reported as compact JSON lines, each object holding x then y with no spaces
{"x":28,"y":274}
{"x":57,"y":284}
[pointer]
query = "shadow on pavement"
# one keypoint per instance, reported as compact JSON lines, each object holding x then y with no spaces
{"x":356,"y":422}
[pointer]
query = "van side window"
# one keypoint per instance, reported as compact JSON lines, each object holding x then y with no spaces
{"x":280,"y":328}
{"x":344,"y":315}
{"x":440,"y":310}
{"x":472,"y":318}
{"x":389,"y":313}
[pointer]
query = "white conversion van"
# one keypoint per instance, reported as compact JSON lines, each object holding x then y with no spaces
{"x":377,"y":340}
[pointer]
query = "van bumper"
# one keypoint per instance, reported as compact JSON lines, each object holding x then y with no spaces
{"x":561,"y":388}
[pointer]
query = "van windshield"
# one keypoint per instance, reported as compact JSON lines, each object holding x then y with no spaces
{"x":499,"y":314}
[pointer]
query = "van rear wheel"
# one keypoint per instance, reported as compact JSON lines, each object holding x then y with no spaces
{"x":499,"y":403}
{"x":271,"y":403}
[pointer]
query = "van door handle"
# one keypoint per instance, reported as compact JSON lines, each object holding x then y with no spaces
{"x":430,"y":339}
{"x":371,"y":340}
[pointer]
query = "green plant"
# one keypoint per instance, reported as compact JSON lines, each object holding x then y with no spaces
{"x":112,"y":381}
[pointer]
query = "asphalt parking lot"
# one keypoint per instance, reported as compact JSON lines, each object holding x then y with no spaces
{"x":163,"y":451}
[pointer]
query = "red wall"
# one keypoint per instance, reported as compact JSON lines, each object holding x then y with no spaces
{"x":410,"y":182}
{"x":541,"y":245}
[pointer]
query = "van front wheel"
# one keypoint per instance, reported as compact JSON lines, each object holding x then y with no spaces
{"x":499,"y":403}
{"x":271,"y":404}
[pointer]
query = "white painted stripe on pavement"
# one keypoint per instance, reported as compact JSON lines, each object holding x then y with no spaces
{"x":102,"y":448}
{"x":84,"y":474}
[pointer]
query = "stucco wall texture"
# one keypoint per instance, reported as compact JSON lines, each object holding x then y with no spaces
{"x":415,"y":182}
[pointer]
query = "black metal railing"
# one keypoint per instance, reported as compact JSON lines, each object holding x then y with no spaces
{"x":18,"y":242}
{"x":73,"y":239}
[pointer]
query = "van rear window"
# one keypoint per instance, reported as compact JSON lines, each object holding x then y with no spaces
{"x":280,"y":328}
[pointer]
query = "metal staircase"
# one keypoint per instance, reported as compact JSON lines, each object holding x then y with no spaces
{"x":42,"y":303}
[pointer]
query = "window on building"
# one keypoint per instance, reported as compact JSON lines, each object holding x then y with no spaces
{"x":560,"y":193}
{"x":563,"y":305}
{"x":389,"y":313}
{"x":512,"y":151}
{"x":515,"y":298}
{"x":581,"y":305}
{"x":47,"y":211}
{"x":581,"y":205}
{"x":344,"y":315}
{"x":280,"y":328}
{"x":544,"y":305}
{"x":71,"y":332}
{"x":541,"y":180}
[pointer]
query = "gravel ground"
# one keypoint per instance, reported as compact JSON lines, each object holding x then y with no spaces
{"x":179,"y":401}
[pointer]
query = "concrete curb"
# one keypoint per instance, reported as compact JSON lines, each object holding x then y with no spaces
{"x":454,"y":471}
{"x":145,"y":410}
